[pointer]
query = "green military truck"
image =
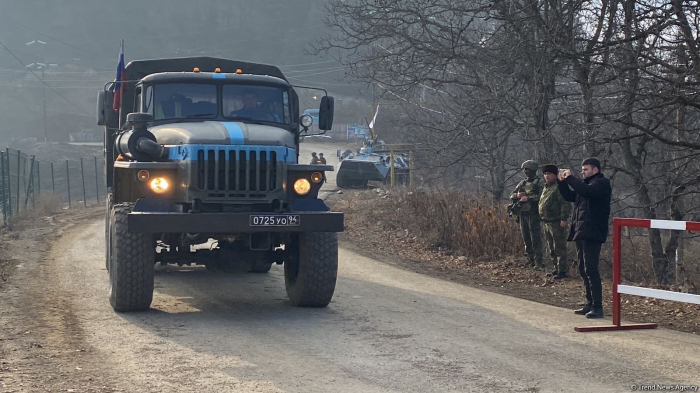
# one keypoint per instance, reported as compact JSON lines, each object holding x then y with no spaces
{"x":202,"y":162}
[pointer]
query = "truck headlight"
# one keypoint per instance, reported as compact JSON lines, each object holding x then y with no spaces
{"x":159,"y":185}
{"x":302,"y":186}
{"x":306,"y":121}
{"x":316,"y":177}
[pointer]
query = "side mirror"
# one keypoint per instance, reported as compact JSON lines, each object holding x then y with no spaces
{"x":325,"y":114}
{"x":101,"y":108}
{"x":106,"y":116}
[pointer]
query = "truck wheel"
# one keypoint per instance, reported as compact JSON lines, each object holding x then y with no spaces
{"x":261,"y":263}
{"x":311,"y":269}
{"x":108,"y":237}
{"x":132,"y":264}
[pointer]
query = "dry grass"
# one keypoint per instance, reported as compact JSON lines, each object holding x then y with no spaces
{"x":45,"y":205}
{"x":445,"y":220}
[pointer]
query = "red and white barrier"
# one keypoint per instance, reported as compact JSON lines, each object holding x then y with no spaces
{"x":618,"y":288}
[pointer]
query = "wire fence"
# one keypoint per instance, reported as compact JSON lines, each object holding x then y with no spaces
{"x":23,"y":178}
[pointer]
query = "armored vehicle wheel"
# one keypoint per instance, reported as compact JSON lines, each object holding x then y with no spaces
{"x":131,"y":262}
{"x":311,"y":269}
{"x":261,"y":263}
{"x":341,"y":182}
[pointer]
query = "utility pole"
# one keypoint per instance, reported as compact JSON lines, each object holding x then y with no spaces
{"x":43,"y":102}
{"x":42,"y":66}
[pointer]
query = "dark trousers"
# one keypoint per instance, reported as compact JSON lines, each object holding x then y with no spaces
{"x":531,"y":230}
{"x":588,"y":253}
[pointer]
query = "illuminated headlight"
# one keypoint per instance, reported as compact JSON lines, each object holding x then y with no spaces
{"x":159,"y":185}
{"x":306,"y":121}
{"x":302,"y":186}
{"x":316,"y":177}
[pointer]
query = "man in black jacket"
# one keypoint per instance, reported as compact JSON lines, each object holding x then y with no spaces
{"x":589,"y":227}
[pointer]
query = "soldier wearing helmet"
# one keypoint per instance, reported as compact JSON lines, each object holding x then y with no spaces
{"x":525,"y":199}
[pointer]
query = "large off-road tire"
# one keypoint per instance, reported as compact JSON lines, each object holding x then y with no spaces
{"x":261,"y":263}
{"x":108,"y":235}
{"x":311,"y":268}
{"x":132,"y":262}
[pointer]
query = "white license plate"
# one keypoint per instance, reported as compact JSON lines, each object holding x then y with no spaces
{"x":278,"y":220}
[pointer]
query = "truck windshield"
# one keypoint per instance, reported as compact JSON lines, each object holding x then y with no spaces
{"x":183,"y":100}
{"x":262,"y":103}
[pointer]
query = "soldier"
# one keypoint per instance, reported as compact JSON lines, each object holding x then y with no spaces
{"x":554,"y":211}
{"x":526,"y":197}
{"x":314,"y":159}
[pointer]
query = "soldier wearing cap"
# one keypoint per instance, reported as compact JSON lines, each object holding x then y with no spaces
{"x":526,"y":197}
{"x":555,"y":211}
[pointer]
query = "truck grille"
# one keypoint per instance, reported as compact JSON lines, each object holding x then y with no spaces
{"x":225,"y":173}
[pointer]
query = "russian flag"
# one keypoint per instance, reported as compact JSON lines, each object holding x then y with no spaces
{"x":121,"y":75}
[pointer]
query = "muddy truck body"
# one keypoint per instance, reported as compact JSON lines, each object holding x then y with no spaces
{"x":202,"y":164}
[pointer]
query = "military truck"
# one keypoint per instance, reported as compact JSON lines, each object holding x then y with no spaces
{"x":202,"y":162}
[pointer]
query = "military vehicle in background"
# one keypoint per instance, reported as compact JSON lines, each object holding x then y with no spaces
{"x":202,"y":164}
{"x":373,"y":163}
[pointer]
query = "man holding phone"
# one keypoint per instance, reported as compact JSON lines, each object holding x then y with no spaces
{"x":589,"y":227}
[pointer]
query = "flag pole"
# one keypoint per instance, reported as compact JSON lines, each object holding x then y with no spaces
{"x":121,"y":86}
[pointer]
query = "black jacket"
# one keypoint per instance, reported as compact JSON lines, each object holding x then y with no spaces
{"x":591,"y":208}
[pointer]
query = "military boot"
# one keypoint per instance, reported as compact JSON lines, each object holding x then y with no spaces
{"x":584,"y":310}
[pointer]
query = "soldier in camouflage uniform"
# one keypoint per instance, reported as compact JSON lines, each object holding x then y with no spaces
{"x":527,"y":196}
{"x":555,"y":211}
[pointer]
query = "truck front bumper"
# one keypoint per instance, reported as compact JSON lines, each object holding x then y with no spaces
{"x":165,"y":222}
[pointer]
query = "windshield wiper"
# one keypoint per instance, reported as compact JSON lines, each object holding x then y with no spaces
{"x":194,"y":116}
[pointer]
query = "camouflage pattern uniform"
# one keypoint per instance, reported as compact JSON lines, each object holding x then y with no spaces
{"x":528,"y":215}
{"x":553,"y":210}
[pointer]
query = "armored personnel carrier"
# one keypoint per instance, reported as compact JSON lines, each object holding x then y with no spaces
{"x":371,"y":164}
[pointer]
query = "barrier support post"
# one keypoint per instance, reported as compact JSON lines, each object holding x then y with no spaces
{"x":616,"y":280}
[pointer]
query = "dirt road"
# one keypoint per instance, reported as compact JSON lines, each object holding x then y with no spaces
{"x":386,"y":330}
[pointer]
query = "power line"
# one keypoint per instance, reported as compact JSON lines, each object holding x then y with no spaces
{"x":53,"y":38}
{"x":57,"y":61}
{"x":319,"y":69}
{"x":348,"y":84}
{"x":42,"y":81}
{"x":318,"y":62}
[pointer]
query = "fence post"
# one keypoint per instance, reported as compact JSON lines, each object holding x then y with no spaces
{"x":97,"y":182}
{"x":53,"y":180}
{"x":68,"y":182}
{"x":4,"y":188}
{"x":82,"y":174}
{"x":19,"y":178}
{"x":30,"y":184}
{"x":38,"y":177}
{"x":9,"y":183}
